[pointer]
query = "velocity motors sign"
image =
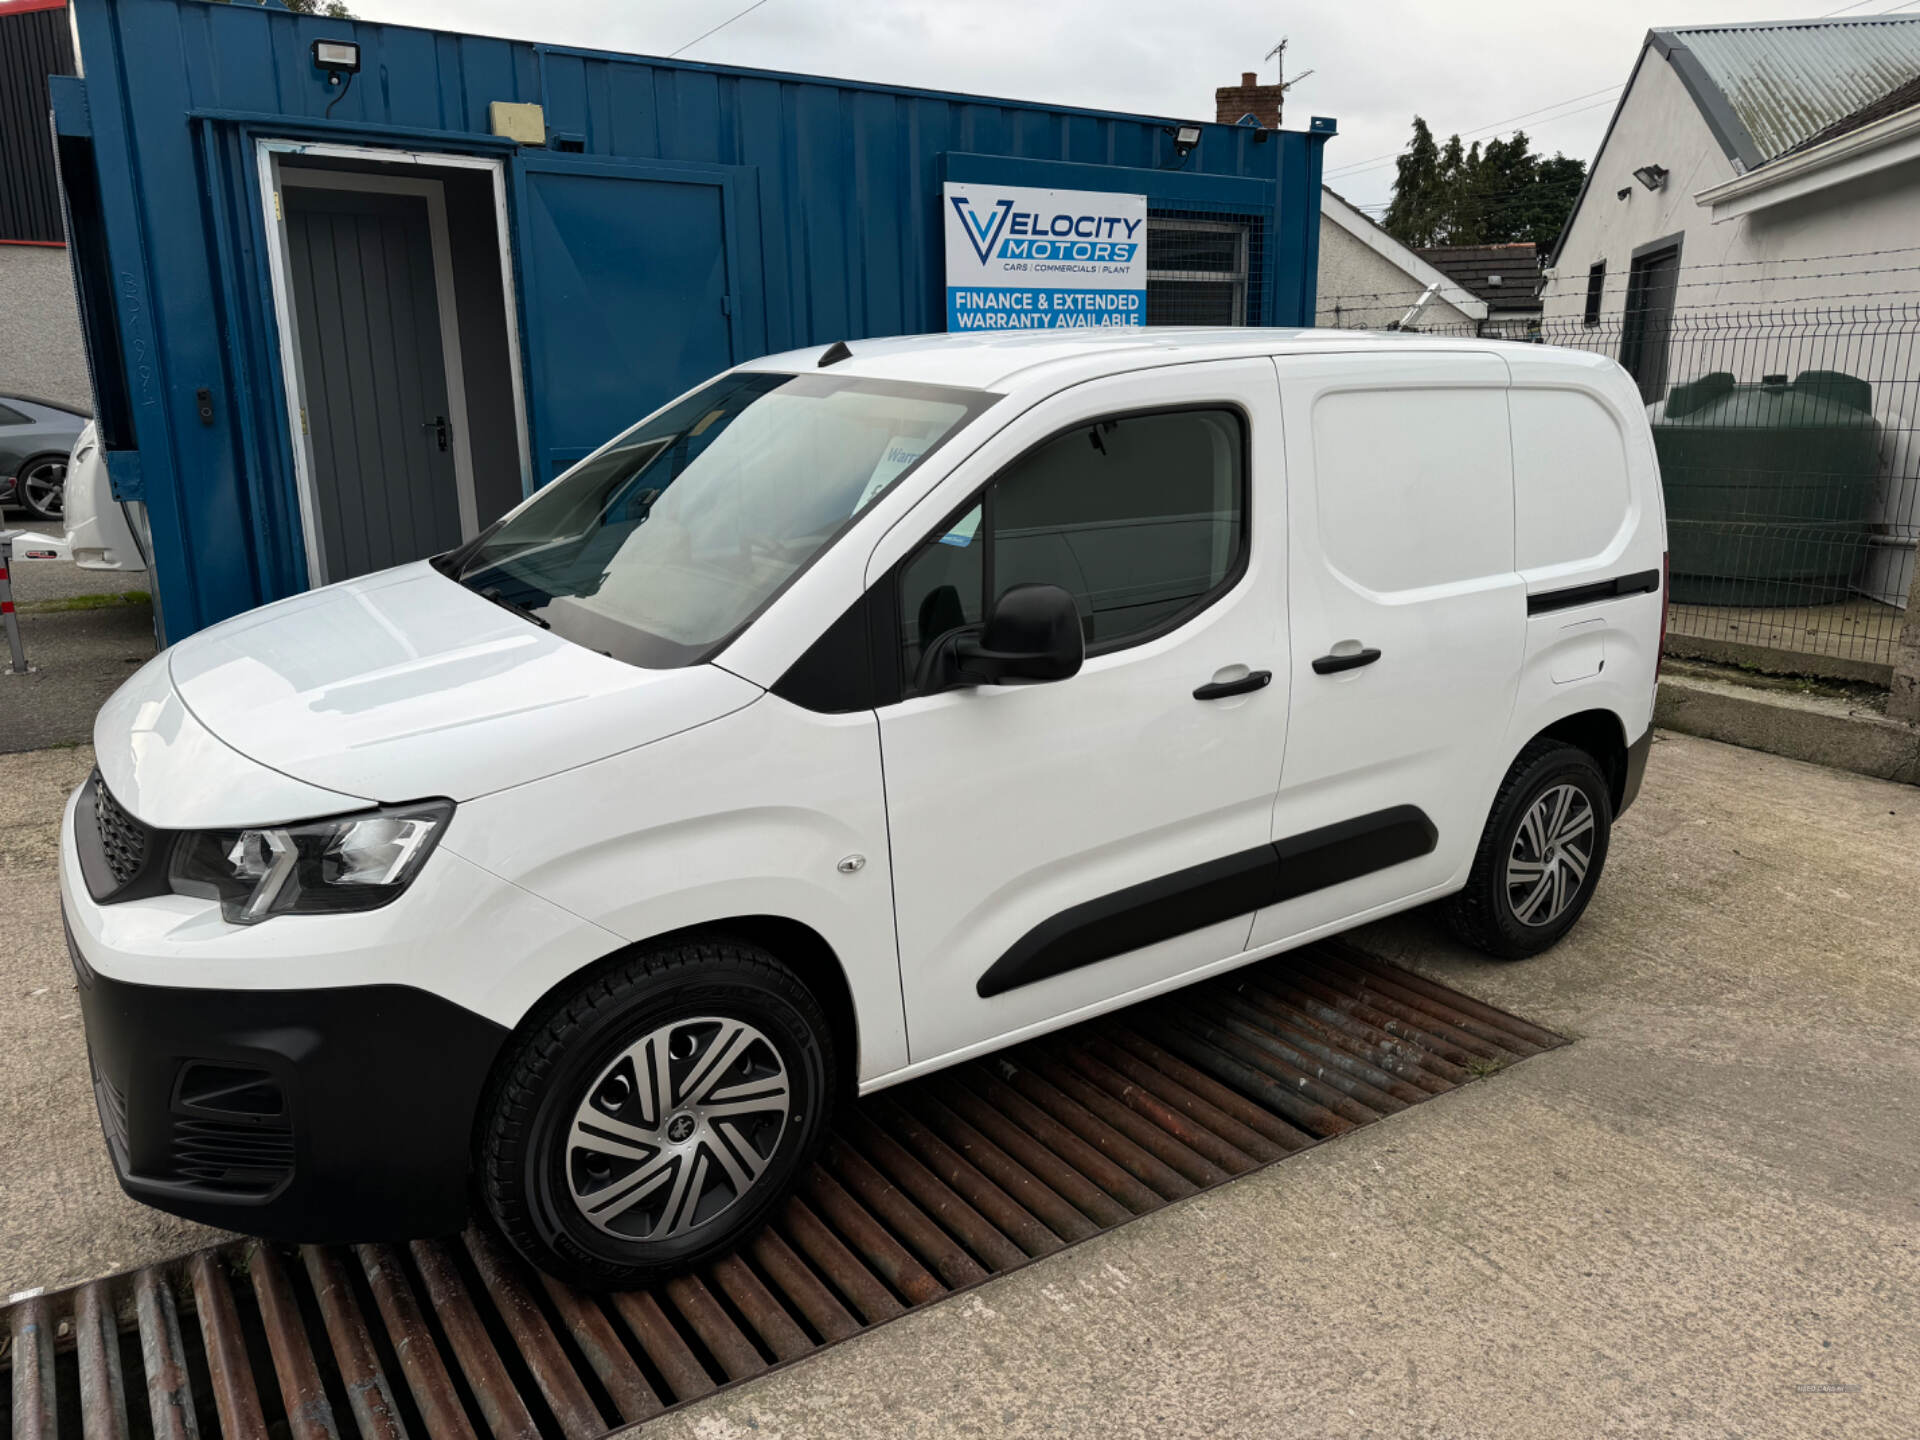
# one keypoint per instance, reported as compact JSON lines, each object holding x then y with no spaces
{"x":1021,"y":259}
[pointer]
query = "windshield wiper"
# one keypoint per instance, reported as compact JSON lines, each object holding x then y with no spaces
{"x":493,"y":593}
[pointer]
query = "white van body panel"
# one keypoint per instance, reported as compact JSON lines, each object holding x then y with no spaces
{"x":168,"y":769}
{"x":602,"y":804}
{"x":403,"y":685}
{"x":752,"y":814}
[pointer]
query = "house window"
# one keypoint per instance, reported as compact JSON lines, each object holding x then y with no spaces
{"x":1596,"y":285}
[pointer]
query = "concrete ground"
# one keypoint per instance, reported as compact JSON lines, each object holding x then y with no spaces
{"x":1701,"y":1219}
{"x":82,"y":638}
{"x":62,"y":1217}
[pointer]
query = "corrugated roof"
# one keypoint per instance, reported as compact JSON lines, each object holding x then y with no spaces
{"x":1905,"y":97}
{"x":1787,"y":80}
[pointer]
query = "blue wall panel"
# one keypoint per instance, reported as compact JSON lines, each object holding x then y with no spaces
{"x":832,"y":223}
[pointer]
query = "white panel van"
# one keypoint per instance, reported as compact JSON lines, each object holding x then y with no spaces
{"x":858,"y":712}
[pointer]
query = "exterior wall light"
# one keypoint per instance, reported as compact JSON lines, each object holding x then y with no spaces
{"x":1185,"y":137}
{"x":1654,"y":177}
{"x":339,"y":56}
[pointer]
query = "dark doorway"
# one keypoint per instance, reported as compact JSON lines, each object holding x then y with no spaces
{"x":404,"y":399}
{"x":1647,"y":327}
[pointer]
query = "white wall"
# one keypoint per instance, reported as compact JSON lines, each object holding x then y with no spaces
{"x":1361,"y":289}
{"x":40,"y":350}
{"x":1775,"y":291}
{"x":1660,"y":125}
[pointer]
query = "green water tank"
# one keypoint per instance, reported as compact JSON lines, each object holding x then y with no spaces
{"x":1768,"y":487}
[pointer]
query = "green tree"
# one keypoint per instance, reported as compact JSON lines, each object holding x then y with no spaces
{"x":1479,"y":195}
{"x":1414,"y":216}
{"x":332,"y":9}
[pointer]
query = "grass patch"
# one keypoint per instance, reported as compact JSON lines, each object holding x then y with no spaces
{"x":68,"y":604}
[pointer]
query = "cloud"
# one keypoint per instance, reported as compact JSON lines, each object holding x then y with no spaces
{"x":1376,"y":63}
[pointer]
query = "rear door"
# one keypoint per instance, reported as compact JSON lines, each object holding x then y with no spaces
{"x":1408,"y":623}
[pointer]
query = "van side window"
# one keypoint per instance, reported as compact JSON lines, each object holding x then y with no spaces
{"x":1414,"y":485}
{"x":10,"y":416}
{"x":1569,"y":477}
{"x":1141,"y":518}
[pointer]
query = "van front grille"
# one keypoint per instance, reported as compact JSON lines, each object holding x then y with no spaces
{"x":123,"y":839}
{"x":236,"y":1159}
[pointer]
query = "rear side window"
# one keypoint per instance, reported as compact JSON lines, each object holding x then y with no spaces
{"x":10,"y":416}
{"x":1569,"y":477}
{"x":1141,"y":518}
{"x":1415,"y":486}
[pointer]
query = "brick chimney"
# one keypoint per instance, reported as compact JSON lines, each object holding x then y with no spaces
{"x":1249,"y":97}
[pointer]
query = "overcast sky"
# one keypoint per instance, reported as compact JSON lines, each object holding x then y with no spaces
{"x":1468,"y":66}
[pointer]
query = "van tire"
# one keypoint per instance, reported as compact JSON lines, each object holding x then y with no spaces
{"x":589,"y":1042}
{"x":1484,"y":913}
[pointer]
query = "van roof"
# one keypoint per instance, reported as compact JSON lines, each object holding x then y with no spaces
{"x":1001,"y":359}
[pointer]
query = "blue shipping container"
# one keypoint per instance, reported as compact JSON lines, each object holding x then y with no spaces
{"x":336,"y":320}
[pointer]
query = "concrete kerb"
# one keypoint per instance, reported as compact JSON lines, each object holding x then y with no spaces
{"x":1823,"y":730}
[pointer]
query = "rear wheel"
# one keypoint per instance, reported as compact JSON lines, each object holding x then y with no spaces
{"x":42,"y":486}
{"x":1540,"y":856}
{"x":649,"y":1119}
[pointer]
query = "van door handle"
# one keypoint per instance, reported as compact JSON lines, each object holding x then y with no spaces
{"x":1220,"y":689}
{"x":1334,"y":664}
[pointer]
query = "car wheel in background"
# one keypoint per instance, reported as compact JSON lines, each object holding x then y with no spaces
{"x":648,"y":1119}
{"x":1541,"y":854}
{"x":41,"y":486}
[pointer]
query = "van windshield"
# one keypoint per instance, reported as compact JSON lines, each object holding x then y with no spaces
{"x":658,"y":548}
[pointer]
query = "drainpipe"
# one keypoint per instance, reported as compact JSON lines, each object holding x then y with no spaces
{"x":1411,"y":320}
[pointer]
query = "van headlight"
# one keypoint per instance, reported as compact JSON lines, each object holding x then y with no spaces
{"x":323,"y":867}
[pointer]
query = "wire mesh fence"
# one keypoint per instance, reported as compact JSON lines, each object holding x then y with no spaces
{"x":1788,"y":432}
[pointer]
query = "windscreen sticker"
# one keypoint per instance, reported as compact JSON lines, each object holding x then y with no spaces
{"x":962,"y":533}
{"x":900,"y":452}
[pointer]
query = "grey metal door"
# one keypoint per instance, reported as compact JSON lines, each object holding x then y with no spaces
{"x":1652,"y":284}
{"x":374,"y":376}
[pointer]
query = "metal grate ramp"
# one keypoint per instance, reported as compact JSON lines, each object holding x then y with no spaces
{"x":921,"y":1192}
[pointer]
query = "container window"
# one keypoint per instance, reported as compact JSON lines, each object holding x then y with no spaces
{"x":1199,"y":269}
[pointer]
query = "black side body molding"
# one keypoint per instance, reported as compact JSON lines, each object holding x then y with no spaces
{"x":1637,"y":754}
{"x":1646,"y":582}
{"x":1203,"y":895}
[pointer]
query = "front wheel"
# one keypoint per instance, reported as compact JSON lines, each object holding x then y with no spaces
{"x":1540,"y":856}
{"x":648,"y":1120}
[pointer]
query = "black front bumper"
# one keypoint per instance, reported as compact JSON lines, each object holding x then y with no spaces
{"x":330,"y":1115}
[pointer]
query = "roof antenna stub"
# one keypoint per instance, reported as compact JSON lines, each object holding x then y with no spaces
{"x":834,"y":354}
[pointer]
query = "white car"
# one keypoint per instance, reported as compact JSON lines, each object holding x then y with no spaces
{"x":856,"y":713}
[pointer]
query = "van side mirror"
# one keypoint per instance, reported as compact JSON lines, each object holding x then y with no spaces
{"x":1033,"y":633}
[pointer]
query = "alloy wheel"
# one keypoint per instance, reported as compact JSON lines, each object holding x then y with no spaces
{"x":43,"y":488}
{"x":1551,"y":855}
{"x":677,"y":1129}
